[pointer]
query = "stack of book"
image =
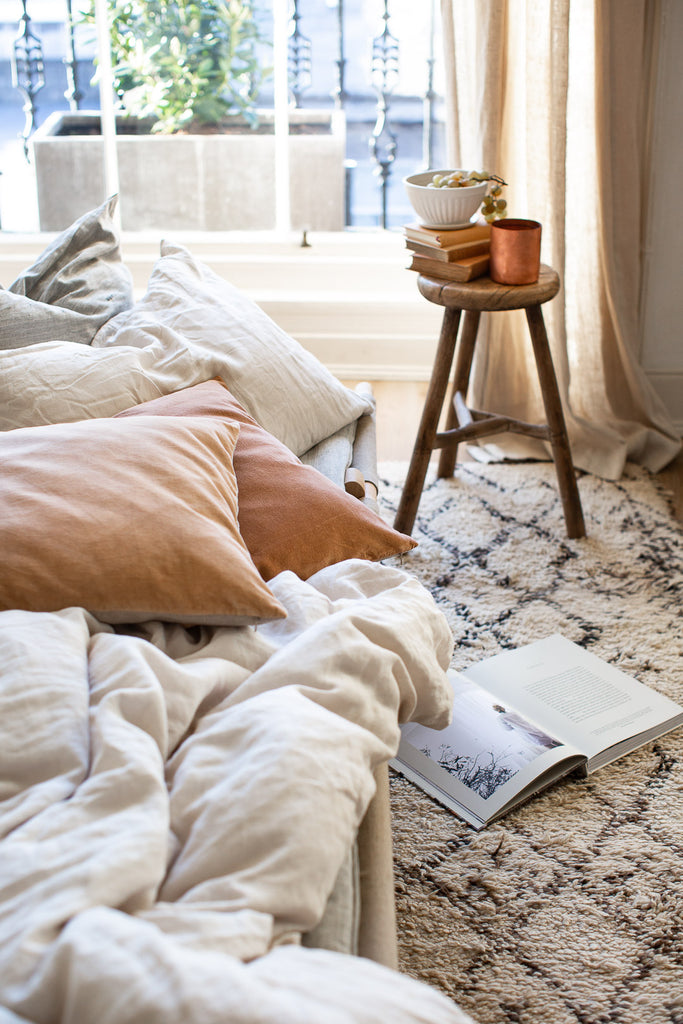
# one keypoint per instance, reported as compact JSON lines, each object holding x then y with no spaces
{"x":456,"y":254}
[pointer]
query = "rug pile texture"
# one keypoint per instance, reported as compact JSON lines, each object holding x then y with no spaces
{"x":570,"y":909}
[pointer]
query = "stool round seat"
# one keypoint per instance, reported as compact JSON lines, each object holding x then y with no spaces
{"x":486,"y":295}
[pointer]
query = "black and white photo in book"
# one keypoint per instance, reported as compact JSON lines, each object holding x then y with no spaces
{"x":525,"y":718}
{"x":487,"y":744}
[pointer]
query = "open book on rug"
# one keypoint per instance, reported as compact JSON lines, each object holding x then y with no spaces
{"x":525,"y":718}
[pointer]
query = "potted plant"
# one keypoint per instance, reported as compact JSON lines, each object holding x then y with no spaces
{"x":194,"y":151}
{"x":183,"y":64}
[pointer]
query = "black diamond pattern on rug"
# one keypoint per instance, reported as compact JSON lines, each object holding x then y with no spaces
{"x":570,"y":909}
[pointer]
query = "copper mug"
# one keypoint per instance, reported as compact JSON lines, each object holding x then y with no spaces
{"x":515,"y":256}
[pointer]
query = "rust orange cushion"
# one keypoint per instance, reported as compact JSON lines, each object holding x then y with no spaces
{"x":290,"y":515}
{"x":133,"y":519}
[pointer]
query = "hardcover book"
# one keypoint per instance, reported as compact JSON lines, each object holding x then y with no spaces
{"x":447,"y":236}
{"x":524,"y":719}
{"x":448,"y":253}
{"x":465,"y":269}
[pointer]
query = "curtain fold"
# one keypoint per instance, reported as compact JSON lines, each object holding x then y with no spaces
{"x":554,"y":96}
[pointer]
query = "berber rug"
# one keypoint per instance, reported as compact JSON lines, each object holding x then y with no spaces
{"x":570,"y":909}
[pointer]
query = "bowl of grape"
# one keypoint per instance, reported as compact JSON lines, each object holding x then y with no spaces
{"x":452,"y":198}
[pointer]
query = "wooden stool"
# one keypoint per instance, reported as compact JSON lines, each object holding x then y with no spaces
{"x":462,"y":424}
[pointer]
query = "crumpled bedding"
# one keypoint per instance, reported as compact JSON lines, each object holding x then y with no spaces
{"x":175,"y":805}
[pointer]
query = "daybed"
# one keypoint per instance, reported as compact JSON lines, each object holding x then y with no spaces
{"x":203,"y":660}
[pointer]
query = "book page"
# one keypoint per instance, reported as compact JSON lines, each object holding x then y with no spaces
{"x":580,"y":698}
{"x":485,"y":758}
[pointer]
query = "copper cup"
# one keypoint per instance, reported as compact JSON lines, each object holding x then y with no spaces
{"x":515,"y":256}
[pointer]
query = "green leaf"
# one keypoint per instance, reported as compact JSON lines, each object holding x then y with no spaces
{"x":176,"y":60}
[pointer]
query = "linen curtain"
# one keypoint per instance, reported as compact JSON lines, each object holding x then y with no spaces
{"x":555,"y":95}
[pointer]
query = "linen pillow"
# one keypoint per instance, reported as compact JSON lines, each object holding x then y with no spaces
{"x":74,"y":286}
{"x":62,"y":381}
{"x":284,"y":387}
{"x":132,"y":519}
{"x":290,"y":515}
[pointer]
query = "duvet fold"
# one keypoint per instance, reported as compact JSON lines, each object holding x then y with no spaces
{"x":175,"y":805}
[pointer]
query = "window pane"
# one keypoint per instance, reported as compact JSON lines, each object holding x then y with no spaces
{"x":363,"y":75}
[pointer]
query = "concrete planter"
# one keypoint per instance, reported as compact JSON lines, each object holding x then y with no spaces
{"x":204,"y":182}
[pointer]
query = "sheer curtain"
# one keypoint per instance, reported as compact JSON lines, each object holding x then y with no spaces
{"x":554,"y":95}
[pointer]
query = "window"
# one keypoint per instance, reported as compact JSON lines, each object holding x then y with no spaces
{"x":367,"y":72}
{"x":346,"y":296}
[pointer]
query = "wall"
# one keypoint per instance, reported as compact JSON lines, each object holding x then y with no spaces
{"x":662,"y":300}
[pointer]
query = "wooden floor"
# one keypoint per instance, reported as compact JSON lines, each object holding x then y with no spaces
{"x":399,"y":406}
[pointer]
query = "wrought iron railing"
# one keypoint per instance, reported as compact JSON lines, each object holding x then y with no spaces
{"x":28,"y":71}
{"x":388,"y":137}
{"x":384,"y":72}
{"x":73,"y":92}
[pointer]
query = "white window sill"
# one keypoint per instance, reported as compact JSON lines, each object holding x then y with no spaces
{"x":347,"y":297}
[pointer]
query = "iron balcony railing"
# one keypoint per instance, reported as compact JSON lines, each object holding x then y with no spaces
{"x":386,"y":85}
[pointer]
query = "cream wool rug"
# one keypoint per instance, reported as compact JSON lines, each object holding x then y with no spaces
{"x":569,"y":910}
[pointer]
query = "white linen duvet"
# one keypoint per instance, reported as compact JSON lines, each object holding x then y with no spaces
{"x":175,"y":805}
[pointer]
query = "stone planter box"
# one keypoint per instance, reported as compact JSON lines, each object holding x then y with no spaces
{"x":203,"y":182}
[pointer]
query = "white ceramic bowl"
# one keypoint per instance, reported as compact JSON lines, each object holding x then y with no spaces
{"x":443,"y":207}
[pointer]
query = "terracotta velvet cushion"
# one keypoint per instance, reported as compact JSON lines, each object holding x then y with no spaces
{"x":131,"y":519}
{"x":290,"y":515}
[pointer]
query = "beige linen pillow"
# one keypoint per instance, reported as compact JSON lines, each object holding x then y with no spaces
{"x":290,"y":515}
{"x":74,"y":287}
{"x":284,"y":387}
{"x":133,"y":519}
{"x":62,"y":381}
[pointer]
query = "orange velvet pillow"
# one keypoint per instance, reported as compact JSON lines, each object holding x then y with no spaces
{"x":131,"y":519}
{"x":290,"y":515}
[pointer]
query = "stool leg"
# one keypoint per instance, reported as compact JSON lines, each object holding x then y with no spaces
{"x":461,"y":380}
{"x":564,"y":467}
{"x":424,"y":442}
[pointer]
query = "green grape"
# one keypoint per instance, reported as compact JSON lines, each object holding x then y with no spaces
{"x":492,"y":206}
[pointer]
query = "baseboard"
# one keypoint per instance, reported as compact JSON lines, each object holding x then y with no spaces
{"x":380,"y":372}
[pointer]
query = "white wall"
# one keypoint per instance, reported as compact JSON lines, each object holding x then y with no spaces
{"x":662,"y":301}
